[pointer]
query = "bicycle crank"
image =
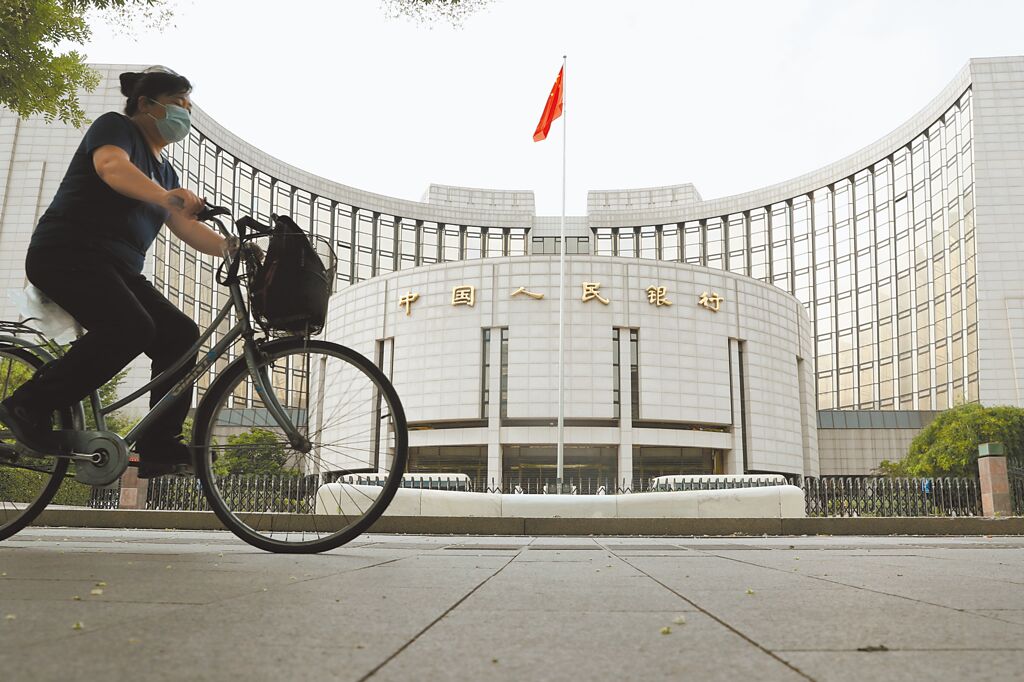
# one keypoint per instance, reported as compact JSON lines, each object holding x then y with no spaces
{"x":100,"y":457}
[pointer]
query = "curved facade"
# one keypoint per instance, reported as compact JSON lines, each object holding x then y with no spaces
{"x":655,"y":382}
{"x":879,"y":248}
{"x":905,"y":255}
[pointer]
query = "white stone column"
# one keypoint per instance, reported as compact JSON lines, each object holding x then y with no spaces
{"x":625,"y":477}
{"x":808,"y":416}
{"x":734,"y":458}
{"x":494,"y":411}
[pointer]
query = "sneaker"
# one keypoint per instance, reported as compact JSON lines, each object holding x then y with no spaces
{"x":163,"y":456}
{"x":32,"y":429}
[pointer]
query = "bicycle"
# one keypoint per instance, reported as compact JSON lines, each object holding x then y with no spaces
{"x":304,"y":408}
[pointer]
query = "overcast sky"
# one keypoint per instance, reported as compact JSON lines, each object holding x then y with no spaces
{"x":727,"y":95}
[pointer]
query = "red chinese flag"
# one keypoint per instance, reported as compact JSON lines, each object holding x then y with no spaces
{"x":552,"y":109}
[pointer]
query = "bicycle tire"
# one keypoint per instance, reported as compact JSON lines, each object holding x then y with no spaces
{"x":10,"y":521}
{"x":213,"y":411}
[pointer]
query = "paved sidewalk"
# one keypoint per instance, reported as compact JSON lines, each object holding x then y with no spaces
{"x":122,"y":605}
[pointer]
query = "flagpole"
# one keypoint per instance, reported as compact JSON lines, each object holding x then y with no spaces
{"x":560,"y":469}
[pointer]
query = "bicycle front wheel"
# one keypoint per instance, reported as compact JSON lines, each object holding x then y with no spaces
{"x":28,"y":481}
{"x":312,"y":496}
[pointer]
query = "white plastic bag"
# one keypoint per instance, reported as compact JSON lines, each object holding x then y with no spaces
{"x":48,"y":317}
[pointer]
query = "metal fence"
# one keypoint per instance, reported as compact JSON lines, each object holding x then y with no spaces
{"x":825,"y":496}
{"x":883,"y":496}
{"x":1016,"y":474}
{"x":245,"y":493}
{"x":105,"y":498}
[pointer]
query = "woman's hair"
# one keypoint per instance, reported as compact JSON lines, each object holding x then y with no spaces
{"x":150,"y":83}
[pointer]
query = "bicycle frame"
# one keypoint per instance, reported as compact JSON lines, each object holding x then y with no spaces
{"x":251,"y":352}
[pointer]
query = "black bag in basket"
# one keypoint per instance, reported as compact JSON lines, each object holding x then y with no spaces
{"x":290,"y":290}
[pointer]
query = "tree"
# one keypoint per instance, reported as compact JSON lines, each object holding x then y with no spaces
{"x":35,"y":77}
{"x":949,"y":445}
{"x":115,"y":421}
{"x":453,"y":12}
{"x":256,"y":451}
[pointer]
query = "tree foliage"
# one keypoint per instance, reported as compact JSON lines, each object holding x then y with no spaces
{"x":36,"y":77}
{"x":949,"y":445}
{"x":453,"y":12}
{"x":256,"y":451}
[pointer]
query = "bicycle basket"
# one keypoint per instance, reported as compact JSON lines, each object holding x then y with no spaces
{"x":289,"y":291}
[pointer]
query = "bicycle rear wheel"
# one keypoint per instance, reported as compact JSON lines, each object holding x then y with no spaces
{"x":28,"y":481}
{"x":323,"y":493}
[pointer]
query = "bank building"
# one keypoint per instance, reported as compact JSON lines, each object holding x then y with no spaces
{"x":811,"y":327}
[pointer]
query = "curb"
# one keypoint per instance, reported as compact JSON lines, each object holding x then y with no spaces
{"x":438,"y":525}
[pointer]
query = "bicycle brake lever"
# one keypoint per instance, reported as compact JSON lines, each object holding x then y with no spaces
{"x":210,"y":212}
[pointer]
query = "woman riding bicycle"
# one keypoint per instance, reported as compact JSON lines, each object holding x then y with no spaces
{"x":87,"y":255}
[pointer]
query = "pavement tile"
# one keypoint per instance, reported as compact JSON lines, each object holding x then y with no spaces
{"x":907,"y":666}
{"x":918,"y":578}
{"x":49,"y":624}
{"x":416,"y":609}
{"x":1010,"y":615}
{"x":565,"y":645}
{"x":846,"y":618}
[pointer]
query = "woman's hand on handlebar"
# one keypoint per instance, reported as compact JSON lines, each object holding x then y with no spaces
{"x":182,"y":201}
{"x":231,"y":246}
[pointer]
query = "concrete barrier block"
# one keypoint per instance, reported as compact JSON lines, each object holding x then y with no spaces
{"x":459,"y":504}
{"x":407,"y":502}
{"x":352,"y":500}
{"x":678,"y":505}
{"x":791,"y":502}
{"x":559,"y":506}
{"x":738,"y":503}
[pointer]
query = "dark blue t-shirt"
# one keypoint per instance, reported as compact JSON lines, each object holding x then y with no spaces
{"x":87,"y":213}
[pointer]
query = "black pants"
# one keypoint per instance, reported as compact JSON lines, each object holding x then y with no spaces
{"x":124,"y":315}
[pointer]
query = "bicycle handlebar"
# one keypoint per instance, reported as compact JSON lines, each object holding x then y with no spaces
{"x":244,"y":223}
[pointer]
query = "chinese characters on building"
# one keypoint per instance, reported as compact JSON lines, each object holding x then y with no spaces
{"x":464,"y":295}
{"x":523,"y":291}
{"x":657,"y":295}
{"x":710,"y":301}
{"x":592,"y":290}
{"x":407,"y":300}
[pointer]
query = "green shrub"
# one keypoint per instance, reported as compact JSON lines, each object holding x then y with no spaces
{"x":949,"y":445}
{"x":23,"y":485}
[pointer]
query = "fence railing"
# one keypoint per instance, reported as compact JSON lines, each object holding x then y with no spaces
{"x":1016,"y":474}
{"x":105,"y":498}
{"x":245,"y":493}
{"x":825,"y":496}
{"x":883,"y":496}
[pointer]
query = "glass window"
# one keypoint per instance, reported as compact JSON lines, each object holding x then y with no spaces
{"x":408,"y":255}
{"x":452,"y":248}
{"x":693,"y":247}
{"x":474,"y":243}
{"x":517,"y":242}
{"x":648,"y":242}
{"x":670,"y":243}
{"x":385,"y":251}
{"x":627,"y":242}
{"x":713,"y":230}
{"x":429,"y":243}
{"x":365,"y":223}
{"x":737,"y":230}
{"x":494,"y":243}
